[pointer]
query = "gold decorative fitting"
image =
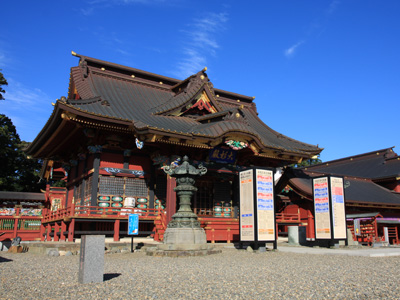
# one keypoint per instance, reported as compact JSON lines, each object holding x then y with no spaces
{"x":133,"y":76}
{"x":52,"y":103}
{"x":254,"y":97}
{"x":161,"y":82}
{"x":202,"y":77}
{"x":377,"y":153}
{"x":73,"y":53}
{"x":205,"y":69}
{"x":103,"y":69}
{"x":217,"y":96}
{"x":238,"y":100}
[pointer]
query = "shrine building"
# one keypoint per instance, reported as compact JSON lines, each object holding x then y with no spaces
{"x":119,"y":126}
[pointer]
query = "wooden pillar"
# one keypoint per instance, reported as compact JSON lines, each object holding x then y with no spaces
{"x":63,"y":229}
{"x":151,"y":187}
{"x":71,"y":229}
{"x":95,"y":178}
{"x":42,"y":231}
{"x":116,"y":230}
{"x":16,"y":220}
{"x":48,"y":237}
{"x":56,"y":230}
{"x":310,"y":225}
{"x":171,"y":198}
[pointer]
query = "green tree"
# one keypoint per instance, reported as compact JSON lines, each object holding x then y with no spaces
{"x":3,"y":81}
{"x":18,"y":172}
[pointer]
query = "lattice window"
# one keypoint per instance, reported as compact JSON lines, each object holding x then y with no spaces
{"x":78,"y":193}
{"x":88,"y":187}
{"x":204,"y":195}
{"x":136,"y":187}
{"x":111,"y":185}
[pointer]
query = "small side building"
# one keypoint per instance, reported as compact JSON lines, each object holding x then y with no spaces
{"x":372,"y":193}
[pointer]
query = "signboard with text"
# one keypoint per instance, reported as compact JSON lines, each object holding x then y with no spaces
{"x":321,"y":208}
{"x":257,"y":209}
{"x":246,"y":205}
{"x":329,"y":208}
{"x":133,"y":224}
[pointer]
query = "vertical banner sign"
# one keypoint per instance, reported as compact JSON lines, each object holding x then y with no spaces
{"x":133,"y":224}
{"x":338,"y":209}
{"x":321,"y":208}
{"x":246,"y":206}
{"x":265,"y":205}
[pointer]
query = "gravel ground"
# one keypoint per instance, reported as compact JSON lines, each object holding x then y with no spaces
{"x":233,"y":274}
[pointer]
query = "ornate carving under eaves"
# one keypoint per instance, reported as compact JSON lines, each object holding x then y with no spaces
{"x":95,"y":149}
{"x":236,"y":115}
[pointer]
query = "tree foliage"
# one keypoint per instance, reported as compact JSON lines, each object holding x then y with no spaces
{"x":3,"y":81}
{"x":18,"y":172}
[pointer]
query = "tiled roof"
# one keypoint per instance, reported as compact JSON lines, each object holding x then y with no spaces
{"x":356,"y":190}
{"x":145,"y":99}
{"x":375,"y":165}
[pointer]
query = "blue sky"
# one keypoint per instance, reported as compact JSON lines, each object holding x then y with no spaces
{"x":324,"y":72}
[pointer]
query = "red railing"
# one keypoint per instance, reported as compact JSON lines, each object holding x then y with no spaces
{"x":81,"y":211}
{"x":283,"y":217}
{"x":20,"y":224}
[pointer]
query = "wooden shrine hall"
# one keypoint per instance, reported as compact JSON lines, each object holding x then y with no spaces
{"x":119,"y":126}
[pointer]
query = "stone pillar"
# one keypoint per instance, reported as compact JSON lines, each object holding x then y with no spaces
{"x":91,"y":262}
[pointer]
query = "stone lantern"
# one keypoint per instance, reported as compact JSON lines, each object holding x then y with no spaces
{"x":183,"y":235}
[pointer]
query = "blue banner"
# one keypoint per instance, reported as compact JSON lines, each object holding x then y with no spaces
{"x":133,"y":224}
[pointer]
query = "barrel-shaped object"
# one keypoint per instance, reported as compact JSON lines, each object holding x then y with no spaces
{"x":116,"y":204}
{"x":227,"y":204}
{"x":142,"y":205}
{"x":217,"y":214}
{"x":104,"y":198}
{"x":157,"y":206}
{"x":104,"y":204}
{"x":117,"y":199}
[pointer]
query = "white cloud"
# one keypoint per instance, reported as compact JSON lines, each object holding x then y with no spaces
{"x":28,"y":108}
{"x":333,"y":6}
{"x":200,"y":43}
{"x":292,"y":50}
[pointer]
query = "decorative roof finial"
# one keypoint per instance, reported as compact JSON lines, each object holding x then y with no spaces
{"x":73,"y":53}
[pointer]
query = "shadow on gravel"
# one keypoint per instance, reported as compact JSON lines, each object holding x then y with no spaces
{"x":2,"y":259}
{"x":110,"y":276}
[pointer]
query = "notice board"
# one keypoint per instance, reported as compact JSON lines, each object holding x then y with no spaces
{"x":329,"y":208}
{"x":257,"y":209}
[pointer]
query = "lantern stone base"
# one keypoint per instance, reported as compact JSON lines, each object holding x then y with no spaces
{"x":183,"y":242}
{"x":190,"y":236}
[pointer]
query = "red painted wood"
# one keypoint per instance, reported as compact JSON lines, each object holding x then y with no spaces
{"x":63,"y":229}
{"x":56,"y":230}
{"x":71,"y":229}
{"x":48,"y":237}
{"x":171,"y":198}
{"x":116,"y":230}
